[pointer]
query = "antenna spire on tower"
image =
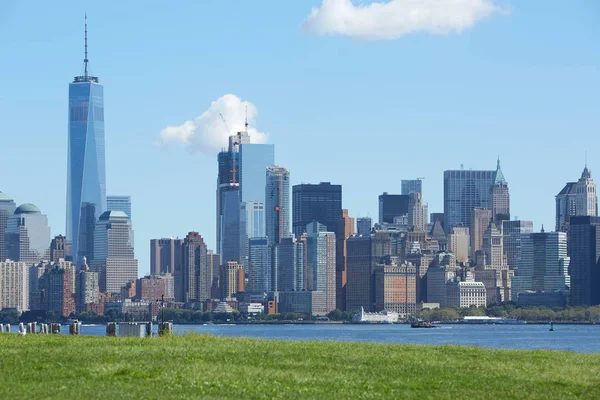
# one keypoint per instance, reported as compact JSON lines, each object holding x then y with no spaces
{"x":246,"y":123}
{"x":85,"y":60}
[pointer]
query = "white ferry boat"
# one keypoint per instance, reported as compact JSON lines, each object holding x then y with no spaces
{"x":384,"y":317}
{"x":492,"y":321}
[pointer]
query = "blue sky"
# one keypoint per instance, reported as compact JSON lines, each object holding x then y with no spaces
{"x":364,"y":112}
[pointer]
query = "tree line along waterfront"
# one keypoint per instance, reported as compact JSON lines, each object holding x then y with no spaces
{"x":590,"y":315}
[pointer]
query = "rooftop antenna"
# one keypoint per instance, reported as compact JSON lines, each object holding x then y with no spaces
{"x":586,"y":158}
{"x":246,"y":123}
{"x":85,"y":60}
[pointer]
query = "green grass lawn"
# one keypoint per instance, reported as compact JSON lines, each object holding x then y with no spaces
{"x":63,"y":367}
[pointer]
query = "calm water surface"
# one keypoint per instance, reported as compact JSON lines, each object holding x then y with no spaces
{"x":578,"y":338}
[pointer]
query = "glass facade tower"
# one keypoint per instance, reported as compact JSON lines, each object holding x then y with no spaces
{"x":119,"y":203}
{"x":254,"y":160}
{"x":7,"y":207}
{"x":86,"y":175}
{"x":465,"y":190}
{"x":321,"y":203}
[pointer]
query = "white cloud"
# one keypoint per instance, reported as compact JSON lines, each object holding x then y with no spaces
{"x":395,"y":18}
{"x":208,"y":133}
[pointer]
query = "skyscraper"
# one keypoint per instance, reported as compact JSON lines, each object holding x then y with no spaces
{"x":27,"y":235}
{"x":392,"y":205}
{"x":228,"y":179}
{"x":14,"y":285}
{"x":513,"y":231}
{"x":417,"y":212}
{"x":499,"y":197}
{"x":7,"y":208}
{"x":459,"y":244}
{"x":254,"y":160}
{"x":252,"y":225}
{"x":411,"y":186}
{"x":480,"y":221}
{"x":86,"y":174}
{"x":230,"y":223}
{"x":288,"y":265}
{"x":114,"y":258}
{"x":277,"y":204}
{"x":87,"y":229}
{"x":586,"y":201}
{"x":344,"y":231}
{"x":565,"y":206}
{"x":58,"y":248}
{"x":543,"y":265}
{"x":61,"y":297}
{"x":465,"y":190}
{"x":119,"y":203}
{"x":584,"y":247}
{"x":166,"y":256}
{"x":321,"y":257}
{"x":321,"y":203}
{"x":87,"y":288}
{"x":232,"y":279}
{"x":364,"y":226}
{"x":197,"y":275}
{"x":259,"y":265}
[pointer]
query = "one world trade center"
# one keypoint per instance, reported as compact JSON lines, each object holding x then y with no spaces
{"x":86,"y":175}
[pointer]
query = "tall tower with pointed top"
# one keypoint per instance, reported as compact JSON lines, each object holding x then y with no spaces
{"x":86,"y":175}
{"x":499,"y":197}
{"x":586,"y":201}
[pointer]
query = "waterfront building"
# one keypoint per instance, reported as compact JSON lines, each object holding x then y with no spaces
{"x":303,"y":302}
{"x":58,"y":248}
{"x":375,"y":317}
{"x":584,"y":247}
{"x":586,"y":200}
{"x":87,"y":289}
{"x":396,"y":288}
{"x":437,"y":277}
{"x":114,"y":258}
{"x":197,"y":276}
{"x":363,"y":254}
{"x":499,"y":197}
{"x":321,"y":203}
{"x":166,"y":255}
{"x":86,"y":172}
{"x":27,"y":235}
{"x":344,"y":231}
{"x":565,"y":206}
{"x":364,"y":226}
{"x":119,"y":203}
{"x":155,"y":288}
{"x":321,"y":259}
{"x":459,"y":243}
{"x":480,"y":221}
{"x":465,"y":190}
{"x":417,"y":212}
{"x":7,"y":208}
{"x":543,"y":265}
{"x":465,"y":294}
{"x":392,"y":205}
{"x":232,"y":279}
{"x":409,"y":186}
{"x":14,"y":285}
{"x":254,"y":160}
{"x":513,"y":231}
{"x":277,"y":204}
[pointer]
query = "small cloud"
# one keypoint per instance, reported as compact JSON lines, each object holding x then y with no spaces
{"x":396,"y":18}
{"x":208,"y":133}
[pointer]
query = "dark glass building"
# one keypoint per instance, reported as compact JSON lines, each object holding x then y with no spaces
{"x":321,"y":203}
{"x":465,"y":190}
{"x":584,"y":247}
{"x":392,"y":205}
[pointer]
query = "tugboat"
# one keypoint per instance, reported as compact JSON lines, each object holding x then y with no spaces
{"x":422,"y":324}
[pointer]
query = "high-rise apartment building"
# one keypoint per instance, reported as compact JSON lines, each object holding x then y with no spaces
{"x":114,"y":258}
{"x":27,"y":235}
{"x":259,"y":265}
{"x":459,"y":244}
{"x":7,"y":208}
{"x":543,"y":265}
{"x":584,"y":247}
{"x":232,"y":279}
{"x":61,"y":297}
{"x":289,"y":260}
{"x":364,"y":226}
{"x":119,"y":203}
{"x":480,"y":221}
{"x":363,"y":254}
{"x":321,"y":203}
{"x":344,"y":231}
{"x":277,"y":204}
{"x":499,"y":197}
{"x":155,"y":288}
{"x":465,"y":190}
{"x":86,"y":172}
{"x":254,"y":160}
{"x":14,"y":285}
{"x":391,"y":206}
{"x":513,"y":231}
{"x":87,"y":289}
{"x":197,"y":276}
{"x":417,"y":212}
{"x":166,"y":256}
{"x":586,"y":200}
{"x":409,"y":186}
{"x":321,"y":257}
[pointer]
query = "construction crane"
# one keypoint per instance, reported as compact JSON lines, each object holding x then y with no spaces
{"x":233,"y":170}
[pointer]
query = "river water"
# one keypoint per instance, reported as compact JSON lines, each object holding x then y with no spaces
{"x":577,"y":338}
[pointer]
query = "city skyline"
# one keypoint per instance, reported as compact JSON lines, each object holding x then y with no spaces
{"x":361,"y":183}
